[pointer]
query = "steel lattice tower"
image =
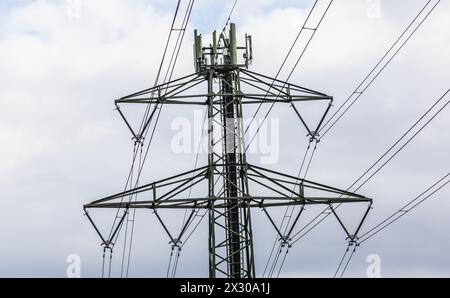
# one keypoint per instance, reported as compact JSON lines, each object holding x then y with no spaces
{"x":228,"y":196}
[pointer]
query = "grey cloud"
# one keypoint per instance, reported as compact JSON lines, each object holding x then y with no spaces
{"x":63,"y":144}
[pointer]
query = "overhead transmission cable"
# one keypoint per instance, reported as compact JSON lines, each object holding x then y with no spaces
{"x":303,"y":29}
{"x":379,"y":63}
{"x":135,"y":151}
{"x":366,"y":79}
{"x":285,"y":215}
{"x":411,"y":205}
{"x":376,"y":71}
{"x":324,"y":214}
{"x":139,"y":141}
{"x":229,"y":16}
{"x":342,"y":261}
{"x":158,"y":75}
{"x":311,"y":37}
{"x":287,"y":218}
{"x":359,"y":94}
{"x":347,"y":263}
{"x":406,"y":209}
{"x":167,"y":77}
{"x":284,"y":62}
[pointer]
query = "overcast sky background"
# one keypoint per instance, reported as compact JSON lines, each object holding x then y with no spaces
{"x":63,"y":145}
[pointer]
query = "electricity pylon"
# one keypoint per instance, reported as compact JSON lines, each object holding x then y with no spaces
{"x":229,"y":180}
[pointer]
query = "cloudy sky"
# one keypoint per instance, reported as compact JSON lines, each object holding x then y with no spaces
{"x":62,"y":63}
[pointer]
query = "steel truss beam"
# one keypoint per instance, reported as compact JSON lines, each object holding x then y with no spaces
{"x":170,"y":193}
{"x":174,"y":92}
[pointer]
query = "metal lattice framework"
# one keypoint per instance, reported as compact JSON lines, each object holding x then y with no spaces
{"x":228,"y":180}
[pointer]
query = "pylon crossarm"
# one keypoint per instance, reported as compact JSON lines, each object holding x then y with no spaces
{"x":281,"y":83}
{"x":170,"y":100}
{"x":281,"y":187}
{"x":167,"y":88}
{"x":251,"y":202}
{"x":261,"y":98}
{"x":174,"y":92}
{"x":277,"y":89}
{"x":267,"y":202}
{"x":281,"y":178}
{"x":268,"y":187}
{"x":160,"y":190}
{"x":177,"y":96}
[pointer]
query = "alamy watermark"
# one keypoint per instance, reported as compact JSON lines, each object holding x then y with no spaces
{"x":374,"y":9}
{"x":74,"y":266}
{"x":74,"y":9}
{"x":374,"y":268}
{"x":262,"y":137}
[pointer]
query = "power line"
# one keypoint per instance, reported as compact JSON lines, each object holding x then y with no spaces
{"x":284,"y":61}
{"x":359,"y":95}
{"x":172,"y":63}
{"x":229,"y":16}
{"x":162,"y":62}
{"x":195,"y":227}
{"x":294,"y":67}
{"x":342,"y":261}
{"x":348,"y":262}
{"x":405,"y":209}
{"x":357,"y":91}
{"x":132,"y":230}
{"x":135,"y":152}
{"x":196,"y":162}
{"x":138,"y":141}
{"x":303,"y":28}
{"x":287,"y":227}
{"x":402,"y":137}
{"x":283,"y":262}
{"x":286,"y":212}
{"x":128,"y":182}
{"x":167,"y":77}
{"x":324,"y":214}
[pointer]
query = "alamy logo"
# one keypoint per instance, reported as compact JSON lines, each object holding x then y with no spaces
{"x":74,"y":267}
{"x":262,"y":137}
{"x":374,"y":269}
{"x":73,"y":9}
{"x":374,"y":9}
